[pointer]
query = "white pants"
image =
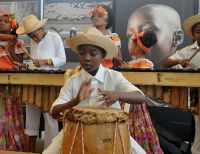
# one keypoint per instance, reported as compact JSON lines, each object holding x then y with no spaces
{"x":196,"y":144}
{"x":55,"y":146}
{"x":33,"y":123}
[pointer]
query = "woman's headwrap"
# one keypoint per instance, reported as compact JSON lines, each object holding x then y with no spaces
{"x":137,"y":36}
{"x":11,"y":18}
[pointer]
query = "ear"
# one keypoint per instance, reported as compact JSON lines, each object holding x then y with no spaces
{"x":178,"y":38}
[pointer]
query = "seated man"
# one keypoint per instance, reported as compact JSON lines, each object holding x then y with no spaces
{"x":94,"y":82}
{"x":188,"y":58}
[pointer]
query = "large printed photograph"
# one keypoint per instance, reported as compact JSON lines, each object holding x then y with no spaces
{"x":165,"y":18}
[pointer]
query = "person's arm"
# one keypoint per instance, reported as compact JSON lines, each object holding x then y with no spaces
{"x":7,"y":37}
{"x":56,"y":110}
{"x":60,"y":57}
{"x":11,"y":49}
{"x":125,"y":92}
{"x":170,"y":62}
{"x":109,"y":98}
{"x":134,"y":97}
{"x":83,"y":93}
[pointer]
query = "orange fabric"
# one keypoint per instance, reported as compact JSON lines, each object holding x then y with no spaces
{"x":140,"y":64}
{"x":5,"y":63}
{"x":107,"y":63}
{"x":139,"y":43}
{"x":99,"y":10}
{"x":115,"y":38}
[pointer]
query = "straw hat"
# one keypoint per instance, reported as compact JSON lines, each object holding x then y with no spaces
{"x":93,"y":36}
{"x":189,"y":23}
{"x":30,"y":23}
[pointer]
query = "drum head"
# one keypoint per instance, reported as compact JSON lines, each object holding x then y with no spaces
{"x":95,"y":115}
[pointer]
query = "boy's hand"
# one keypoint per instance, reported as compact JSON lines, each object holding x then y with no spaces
{"x":84,"y":91}
{"x":108,"y":98}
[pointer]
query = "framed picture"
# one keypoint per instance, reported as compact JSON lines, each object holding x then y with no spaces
{"x":148,"y":15}
{"x":70,"y":15}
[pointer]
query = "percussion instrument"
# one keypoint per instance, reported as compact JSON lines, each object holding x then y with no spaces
{"x":169,"y":86}
{"x":92,"y":130}
{"x":38,"y":88}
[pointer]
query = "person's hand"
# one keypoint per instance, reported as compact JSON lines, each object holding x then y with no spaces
{"x":84,"y":91}
{"x":125,"y":65}
{"x":184,"y":62}
{"x":11,"y":37}
{"x":19,"y":66}
{"x":7,"y":37}
{"x":39,"y":62}
{"x":16,"y":65}
{"x":11,"y":40}
{"x":108,"y":98}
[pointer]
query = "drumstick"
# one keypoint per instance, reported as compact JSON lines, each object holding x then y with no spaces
{"x":194,"y":54}
{"x":25,"y":51}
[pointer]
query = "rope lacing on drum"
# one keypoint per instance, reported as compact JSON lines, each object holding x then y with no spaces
{"x":83,"y":150}
{"x":115,"y":136}
{"x":120,"y":134}
{"x":74,"y":138}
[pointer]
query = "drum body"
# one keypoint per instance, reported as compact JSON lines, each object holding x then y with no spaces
{"x":95,"y":131}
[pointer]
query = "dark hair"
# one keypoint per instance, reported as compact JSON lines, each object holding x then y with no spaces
{"x":110,"y":15}
{"x":13,"y":32}
{"x":193,"y":27}
{"x":103,"y":52}
{"x":149,"y":39}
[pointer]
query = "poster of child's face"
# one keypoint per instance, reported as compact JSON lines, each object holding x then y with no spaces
{"x":165,"y":22}
{"x":165,"y":18}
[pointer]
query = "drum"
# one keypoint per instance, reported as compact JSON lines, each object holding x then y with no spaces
{"x":90,"y":130}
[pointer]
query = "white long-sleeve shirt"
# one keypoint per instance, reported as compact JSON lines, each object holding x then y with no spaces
{"x":50,"y":47}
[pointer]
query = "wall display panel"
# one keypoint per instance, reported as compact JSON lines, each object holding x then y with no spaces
{"x":162,"y":16}
{"x":66,"y":15}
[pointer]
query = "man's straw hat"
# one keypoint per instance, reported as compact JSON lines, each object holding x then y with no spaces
{"x":189,"y":23}
{"x":30,"y":23}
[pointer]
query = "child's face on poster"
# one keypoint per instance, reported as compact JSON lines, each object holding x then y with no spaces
{"x":163,"y":23}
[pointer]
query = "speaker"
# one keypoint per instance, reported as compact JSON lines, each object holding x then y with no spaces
{"x":176,"y":121}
